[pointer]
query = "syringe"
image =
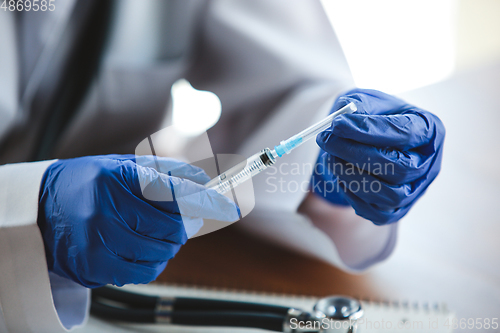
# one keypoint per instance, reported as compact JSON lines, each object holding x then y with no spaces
{"x":267,"y":157}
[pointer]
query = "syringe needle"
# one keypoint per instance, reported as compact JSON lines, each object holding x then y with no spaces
{"x":286,"y":146}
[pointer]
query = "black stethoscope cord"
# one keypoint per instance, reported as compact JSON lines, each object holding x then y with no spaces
{"x":117,"y":305}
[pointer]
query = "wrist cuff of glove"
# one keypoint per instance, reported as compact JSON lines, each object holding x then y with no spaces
{"x":42,"y":221}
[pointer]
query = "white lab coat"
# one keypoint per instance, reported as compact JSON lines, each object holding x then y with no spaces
{"x":276,"y":66}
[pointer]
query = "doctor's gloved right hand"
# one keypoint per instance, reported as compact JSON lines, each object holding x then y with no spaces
{"x":116,"y":220}
{"x":381,"y":159}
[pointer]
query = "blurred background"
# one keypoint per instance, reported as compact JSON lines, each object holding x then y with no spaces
{"x":443,"y":56}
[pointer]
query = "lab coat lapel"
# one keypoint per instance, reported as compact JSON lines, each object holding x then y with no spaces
{"x":9,"y":84}
{"x":55,"y":22}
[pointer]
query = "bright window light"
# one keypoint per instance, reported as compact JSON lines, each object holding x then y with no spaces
{"x":395,"y":45}
{"x":194,"y":111}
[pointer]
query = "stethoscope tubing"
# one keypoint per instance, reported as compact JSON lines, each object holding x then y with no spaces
{"x":118,"y":305}
{"x":183,"y":303}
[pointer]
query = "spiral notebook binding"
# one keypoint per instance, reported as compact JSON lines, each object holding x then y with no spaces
{"x":406,"y":305}
{"x":396,"y":305}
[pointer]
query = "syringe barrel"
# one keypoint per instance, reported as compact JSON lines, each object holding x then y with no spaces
{"x":242,"y":171}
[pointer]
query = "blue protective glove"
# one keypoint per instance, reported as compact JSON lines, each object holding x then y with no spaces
{"x":381,"y":159}
{"x":98,"y":228}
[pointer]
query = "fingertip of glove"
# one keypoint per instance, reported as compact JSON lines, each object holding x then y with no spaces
{"x":202,"y":177}
{"x":229,"y":209}
{"x":328,"y":139}
{"x":323,"y":137}
{"x":235,"y":210}
{"x":238,"y":211}
{"x":234,"y":214}
{"x":346,"y":124}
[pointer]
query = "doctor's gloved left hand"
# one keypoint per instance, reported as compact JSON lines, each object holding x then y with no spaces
{"x":116,"y":220}
{"x":381,"y":159}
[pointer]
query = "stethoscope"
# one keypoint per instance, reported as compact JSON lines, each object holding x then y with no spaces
{"x":331,"y":314}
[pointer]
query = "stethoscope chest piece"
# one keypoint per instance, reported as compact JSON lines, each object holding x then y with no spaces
{"x":340,"y":314}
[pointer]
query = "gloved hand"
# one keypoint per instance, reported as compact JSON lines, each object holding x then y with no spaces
{"x":99,"y":228}
{"x":381,"y":159}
